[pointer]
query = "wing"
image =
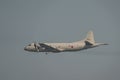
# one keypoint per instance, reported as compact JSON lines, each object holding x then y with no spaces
{"x":48,"y":48}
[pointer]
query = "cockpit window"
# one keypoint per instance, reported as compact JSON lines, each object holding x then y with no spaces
{"x":29,"y":45}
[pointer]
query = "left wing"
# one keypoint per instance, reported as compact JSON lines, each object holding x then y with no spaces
{"x":48,"y":48}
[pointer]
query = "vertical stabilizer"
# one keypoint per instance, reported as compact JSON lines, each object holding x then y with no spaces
{"x":90,"y":37}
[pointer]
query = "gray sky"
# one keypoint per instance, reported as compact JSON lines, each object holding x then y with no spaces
{"x":26,"y":21}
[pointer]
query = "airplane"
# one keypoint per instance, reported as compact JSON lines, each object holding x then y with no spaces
{"x":86,"y":43}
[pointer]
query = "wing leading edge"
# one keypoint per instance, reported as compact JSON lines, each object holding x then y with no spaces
{"x":48,"y":48}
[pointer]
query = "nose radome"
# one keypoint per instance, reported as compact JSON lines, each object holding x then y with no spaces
{"x":25,"y":48}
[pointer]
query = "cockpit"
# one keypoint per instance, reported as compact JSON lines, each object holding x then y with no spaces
{"x":30,"y":47}
{"x":33,"y":47}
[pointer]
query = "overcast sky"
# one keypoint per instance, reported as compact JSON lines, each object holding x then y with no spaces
{"x":26,"y":21}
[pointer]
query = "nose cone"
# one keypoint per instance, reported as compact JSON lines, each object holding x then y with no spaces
{"x":25,"y":48}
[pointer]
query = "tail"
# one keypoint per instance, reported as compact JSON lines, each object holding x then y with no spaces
{"x":90,"y":38}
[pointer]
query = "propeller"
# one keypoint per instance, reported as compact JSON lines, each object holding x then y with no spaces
{"x":36,"y":46}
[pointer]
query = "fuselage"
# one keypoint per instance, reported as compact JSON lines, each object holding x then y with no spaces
{"x":57,"y":47}
{"x":67,"y":46}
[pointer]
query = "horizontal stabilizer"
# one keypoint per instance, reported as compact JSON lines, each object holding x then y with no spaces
{"x":88,"y":43}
